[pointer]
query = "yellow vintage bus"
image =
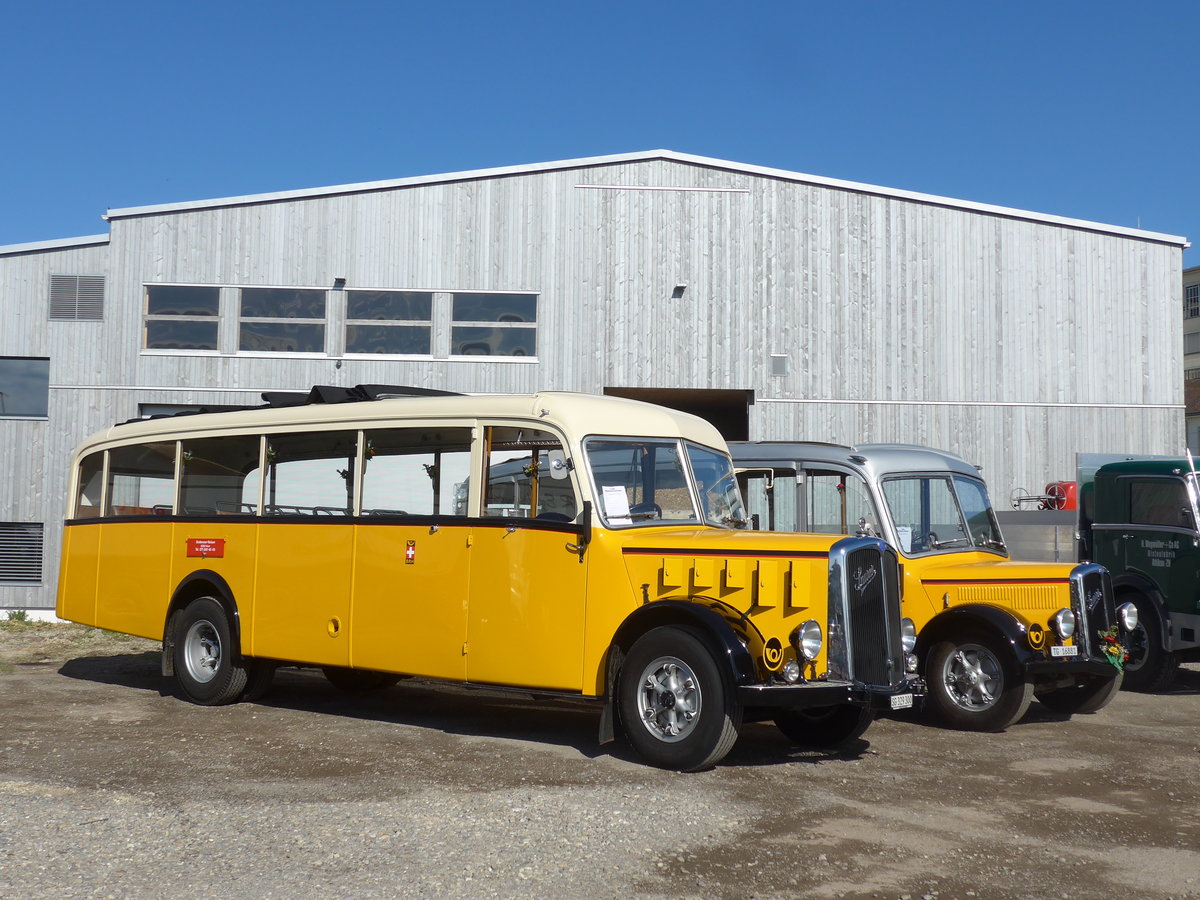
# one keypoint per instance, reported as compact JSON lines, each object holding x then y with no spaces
{"x":568,"y":543}
{"x":993,"y":633}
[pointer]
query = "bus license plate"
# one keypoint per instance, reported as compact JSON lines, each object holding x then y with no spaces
{"x":902,"y":701}
{"x":1064,"y":651}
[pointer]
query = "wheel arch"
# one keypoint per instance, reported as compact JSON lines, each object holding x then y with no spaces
{"x":953,"y":623}
{"x":709,"y":626}
{"x":201,"y":583}
{"x":1130,"y":583}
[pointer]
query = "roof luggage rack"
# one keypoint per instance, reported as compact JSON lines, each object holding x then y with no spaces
{"x":319,"y":393}
{"x":324,"y":393}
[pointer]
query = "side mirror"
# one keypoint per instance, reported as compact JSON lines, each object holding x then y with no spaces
{"x":558,"y":464}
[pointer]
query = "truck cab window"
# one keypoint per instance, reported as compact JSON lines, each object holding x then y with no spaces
{"x":1160,"y":501}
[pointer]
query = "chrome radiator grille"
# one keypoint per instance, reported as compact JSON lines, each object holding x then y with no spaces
{"x":1092,"y":602}
{"x":865,"y":624}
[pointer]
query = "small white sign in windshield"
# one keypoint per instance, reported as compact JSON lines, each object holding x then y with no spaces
{"x":616,"y":505}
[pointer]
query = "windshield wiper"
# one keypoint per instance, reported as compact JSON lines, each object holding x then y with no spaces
{"x":952,"y":542}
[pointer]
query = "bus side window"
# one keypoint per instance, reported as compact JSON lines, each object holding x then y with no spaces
{"x":519,"y":483}
{"x":775,"y":508}
{"x":140,"y":478}
{"x":310,"y":474}
{"x":416,"y":471}
{"x":836,"y":502}
{"x":89,"y":487}
{"x":220,"y":475}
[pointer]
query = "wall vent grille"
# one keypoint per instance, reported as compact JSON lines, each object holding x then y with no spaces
{"x":76,"y":298}
{"x":21,"y":545}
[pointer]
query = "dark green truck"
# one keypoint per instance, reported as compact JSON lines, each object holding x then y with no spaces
{"x":1139,"y":519}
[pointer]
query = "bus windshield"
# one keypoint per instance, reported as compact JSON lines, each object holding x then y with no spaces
{"x":652,"y":481}
{"x":935,"y":513}
{"x":720,"y":497}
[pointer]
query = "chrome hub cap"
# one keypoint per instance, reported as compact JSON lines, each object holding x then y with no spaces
{"x":1139,"y":644}
{"x":973,"y":677}
{"x":202,"y":651}
{"x":669,"y":699}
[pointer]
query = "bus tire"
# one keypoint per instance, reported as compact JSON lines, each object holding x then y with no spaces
{"x":1091,"y":694}
{"x":825,"y":726}
{"x":204,"y":655}
{"x":678,"y":708}
{"x":974,"y":684}
{"x":1151,"y":667}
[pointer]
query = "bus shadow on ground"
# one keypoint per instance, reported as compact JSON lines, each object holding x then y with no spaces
{"x":456,"y":710}
{"x":1187,"y":681}
{"x":470,"y":711}
{"x":133,"y":670}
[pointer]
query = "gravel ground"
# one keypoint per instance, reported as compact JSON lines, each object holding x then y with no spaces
{"x":110,"y":786}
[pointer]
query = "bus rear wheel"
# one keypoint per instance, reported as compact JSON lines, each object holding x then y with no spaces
{"x":204,"y":655}
{"x":1091,"y":694}
{"x":825,"y":726}
{"x":358,"y":681}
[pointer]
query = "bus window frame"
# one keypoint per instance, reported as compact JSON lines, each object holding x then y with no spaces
{"x":480,"y":430}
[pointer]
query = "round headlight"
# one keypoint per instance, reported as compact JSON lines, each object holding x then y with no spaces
{"x":791,"y":671}
{"x":1064,"y":623}
{"x":1127,"y":615}
{"x":809,"y":639}
{"x":908,"y":634}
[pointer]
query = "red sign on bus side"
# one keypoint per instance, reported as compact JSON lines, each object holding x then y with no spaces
{"x":206,"y":548}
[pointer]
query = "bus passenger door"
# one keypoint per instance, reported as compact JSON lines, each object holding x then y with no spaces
{"x":135,"y":549}
{"x":525,"y":617}
{"x":302,"y":600}
{"x":306,"y":548}
{"x":412,"y":555}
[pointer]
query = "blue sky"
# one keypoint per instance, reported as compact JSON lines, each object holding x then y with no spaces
{"x":1078,"y":109}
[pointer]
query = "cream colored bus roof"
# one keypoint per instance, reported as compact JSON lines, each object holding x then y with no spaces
{"x":578,"y":415}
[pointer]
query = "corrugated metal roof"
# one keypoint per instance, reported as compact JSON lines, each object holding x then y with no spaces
{"x":670,"y":155}
{"x":60,"y":244}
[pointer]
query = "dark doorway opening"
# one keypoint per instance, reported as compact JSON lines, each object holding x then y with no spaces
{"x":727,"y":410}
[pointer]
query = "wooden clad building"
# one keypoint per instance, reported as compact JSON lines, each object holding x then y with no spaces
{"x":780,"y":305}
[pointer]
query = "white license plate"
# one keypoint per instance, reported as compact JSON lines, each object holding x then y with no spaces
{"x":1064,"y":651}
{"x":902,"y":701}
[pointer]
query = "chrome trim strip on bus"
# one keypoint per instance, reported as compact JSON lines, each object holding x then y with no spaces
{"x":388,"y":521}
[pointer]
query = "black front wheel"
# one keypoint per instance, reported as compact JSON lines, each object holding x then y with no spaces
{"x":204,"y":655}
{"x":1091,"y":694}
{"x":825,"y":726}
{"x":677,"y":707}
{"x":974,"y":684}
{"x":1151,"y":667}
